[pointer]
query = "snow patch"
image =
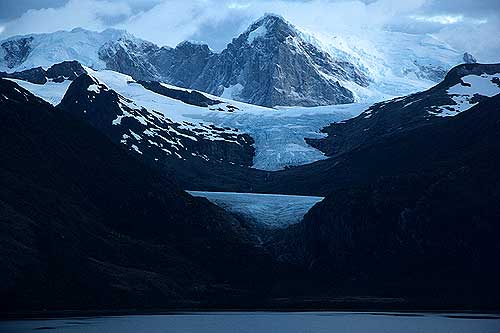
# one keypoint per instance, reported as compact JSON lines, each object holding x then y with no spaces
{"x":463,"y":93}
{"x":94,"y":88}
{"x":232,"y":92}
{"x":257,"y":33}
{"x":51,"y":92}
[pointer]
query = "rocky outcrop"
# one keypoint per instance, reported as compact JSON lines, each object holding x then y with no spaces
{"x":67,"y":70}
{"x":182,"y":65}
{"x":469,"y":58}
{"x":131,"y":56}
{"x":16,"y":51}
{"x":187,"y":96}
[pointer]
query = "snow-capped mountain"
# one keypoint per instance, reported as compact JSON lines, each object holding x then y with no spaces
{"x":25,"y":52}
{"x":149,"y":132}
{"x":397,"y":63}
{"x":271,"y":63}
{"x":130,"y":55}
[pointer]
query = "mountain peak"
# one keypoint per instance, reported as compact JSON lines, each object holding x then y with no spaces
{"x":271,"y":22}
{"x":269,"y":25}
{"x":190,"y":44}
{"x":271,"y":17}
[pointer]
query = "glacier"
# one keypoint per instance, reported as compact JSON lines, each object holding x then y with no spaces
{"x":278,"y":133}
{"x":267,"y":210}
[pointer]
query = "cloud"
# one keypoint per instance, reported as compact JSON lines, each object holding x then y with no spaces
{"x":442,"y":19}
{"x":172,"y":21}
{"x":216,"y":22}
{"x":479,"y":39}
{"x":91,"y":14}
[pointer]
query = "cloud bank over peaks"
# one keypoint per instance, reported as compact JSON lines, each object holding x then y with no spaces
{"x":465,"y":25}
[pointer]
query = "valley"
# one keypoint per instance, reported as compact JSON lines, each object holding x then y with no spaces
{"x":290,"y":170}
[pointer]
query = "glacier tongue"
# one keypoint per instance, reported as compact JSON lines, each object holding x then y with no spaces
{"x":267,"y":210}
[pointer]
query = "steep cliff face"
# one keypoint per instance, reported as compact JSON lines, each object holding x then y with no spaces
{"x":272,"y":64}
{"x":130,"y":55}
{"x":182,"y":65}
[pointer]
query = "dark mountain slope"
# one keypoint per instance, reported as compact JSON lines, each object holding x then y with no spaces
{"x":406,"y":113}
{"x":84,"y":225}
{"x":191,"y":155}
{"x":429,"y":234}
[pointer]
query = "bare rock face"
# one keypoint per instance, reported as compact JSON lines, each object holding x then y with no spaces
{"x":66,"y":70}
{"x":272,"y":64}
{"x":16,"y":50}
{"x":469,"y":58}
{"x":131,"y":56}
{"x":182,"y":65}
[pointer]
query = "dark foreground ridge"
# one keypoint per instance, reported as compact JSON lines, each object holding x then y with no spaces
{"x":84,"y":225}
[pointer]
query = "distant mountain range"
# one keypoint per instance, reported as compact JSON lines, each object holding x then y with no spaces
{"x":271,"y":63}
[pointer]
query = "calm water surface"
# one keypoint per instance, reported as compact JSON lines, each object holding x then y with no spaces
{"x":263,"y":322}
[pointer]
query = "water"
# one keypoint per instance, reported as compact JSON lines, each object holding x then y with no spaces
{"x":264,"y":322}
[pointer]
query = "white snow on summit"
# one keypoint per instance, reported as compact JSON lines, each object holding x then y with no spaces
{"x":78,"y":44}
{"x":259,"y":32}
{"x":398,"y":63}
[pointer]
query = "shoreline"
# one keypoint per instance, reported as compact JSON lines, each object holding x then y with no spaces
{"x":403,"y":312}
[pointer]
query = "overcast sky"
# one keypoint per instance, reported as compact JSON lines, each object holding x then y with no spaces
{"x":472,"y":25}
